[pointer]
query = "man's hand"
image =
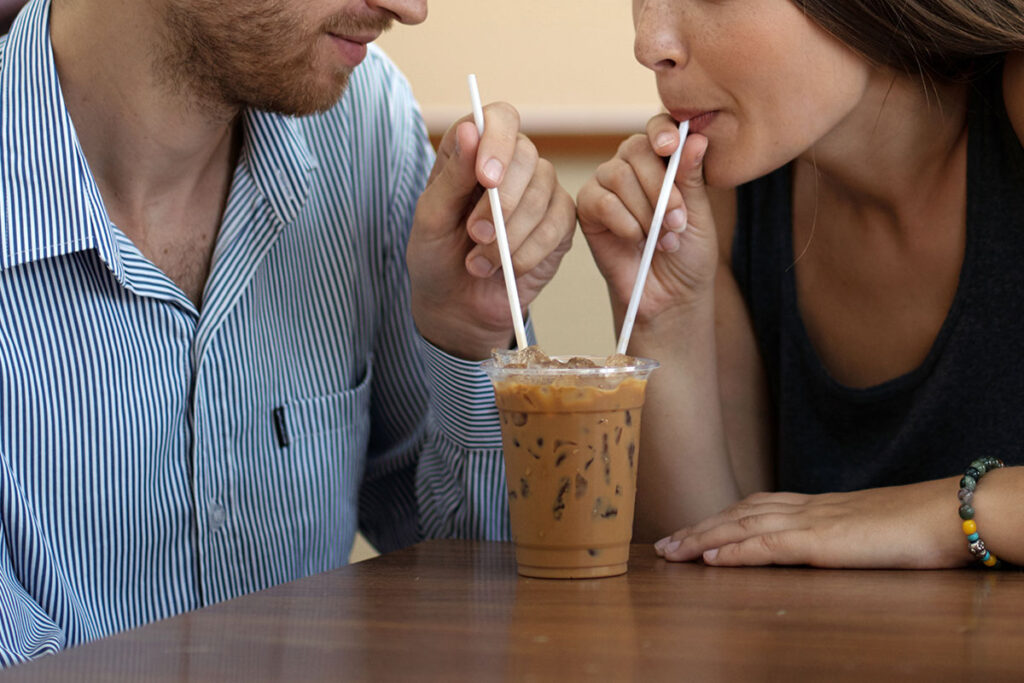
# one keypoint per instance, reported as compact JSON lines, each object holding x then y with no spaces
{"x":459,"y":301}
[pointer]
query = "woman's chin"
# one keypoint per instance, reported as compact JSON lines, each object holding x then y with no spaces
{"x":721,"y":176}
{"x":720,"y":173}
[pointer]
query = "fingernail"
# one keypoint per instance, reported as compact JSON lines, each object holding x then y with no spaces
{"x":676,"y":220}
{"x":483,"y":231}
{"x":673,"y":546}
{"x":660,"y":545}
{"x":664,"y":140}
{"x":669,"y":243}
{"x":492,"y":170}
{"x":700,"y":156}
{"x":710,"y":555}
{"x":480,"y":266}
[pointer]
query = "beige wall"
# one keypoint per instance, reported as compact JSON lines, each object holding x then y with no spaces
{"x":568,"y":66}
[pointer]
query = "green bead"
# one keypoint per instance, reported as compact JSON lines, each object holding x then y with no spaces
{"x":966,"y":511}
{"x":980,"y":465}
{"x":968,"y":482}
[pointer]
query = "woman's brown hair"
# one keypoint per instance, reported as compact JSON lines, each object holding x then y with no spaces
{"x":943,"y":39}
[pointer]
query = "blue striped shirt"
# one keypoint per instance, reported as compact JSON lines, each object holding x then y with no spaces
{"x":155,"y":458}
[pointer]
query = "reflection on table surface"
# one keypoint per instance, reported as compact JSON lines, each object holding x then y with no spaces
{"x":455,"y":610}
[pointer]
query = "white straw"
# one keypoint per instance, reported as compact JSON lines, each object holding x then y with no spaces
{"x":652,"y":240}
{"x":499,"y":229}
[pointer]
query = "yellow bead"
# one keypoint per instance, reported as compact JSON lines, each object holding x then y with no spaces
{"x":990,"y":562}
{"x":969,"y":526}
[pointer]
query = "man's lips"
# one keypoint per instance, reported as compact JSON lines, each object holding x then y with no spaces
{"x":352,"y":48}
{"x":699,"y":118}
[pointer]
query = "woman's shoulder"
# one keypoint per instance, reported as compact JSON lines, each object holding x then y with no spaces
{"x":1013,"y":91}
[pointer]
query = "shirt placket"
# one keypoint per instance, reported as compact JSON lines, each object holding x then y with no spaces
{"x":211,"y":457}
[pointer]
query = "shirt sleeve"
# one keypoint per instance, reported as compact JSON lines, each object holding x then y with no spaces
{"x":460,"y":482}
{"x":26,"y":630}
{"x":434,"y":465}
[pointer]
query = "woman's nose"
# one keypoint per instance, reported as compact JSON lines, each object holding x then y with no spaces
{"x":658,"y":44}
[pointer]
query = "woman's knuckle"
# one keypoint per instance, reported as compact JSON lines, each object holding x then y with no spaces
{"x":633,"y":144}
{"x":769,"y":543}
{"x":606,"y":204}
{"x":740,"y":509}
{"x":747,"y":523}
{"x":618,"y":175}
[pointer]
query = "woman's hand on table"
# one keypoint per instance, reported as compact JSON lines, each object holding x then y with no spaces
{"x":914,"y":526}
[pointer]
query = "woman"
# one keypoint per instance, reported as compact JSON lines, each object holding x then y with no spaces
{"x":844,"y":326}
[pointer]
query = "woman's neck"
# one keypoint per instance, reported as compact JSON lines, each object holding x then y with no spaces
{"x":897,"y":151}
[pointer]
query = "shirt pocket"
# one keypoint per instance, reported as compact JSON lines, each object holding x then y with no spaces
{"x":327,"y":439}
{"x":344,"y":411}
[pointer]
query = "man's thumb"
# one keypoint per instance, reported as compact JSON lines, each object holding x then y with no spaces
{"x":453,"y":179}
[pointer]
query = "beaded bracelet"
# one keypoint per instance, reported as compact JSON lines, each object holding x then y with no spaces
{"x":972,"y":475}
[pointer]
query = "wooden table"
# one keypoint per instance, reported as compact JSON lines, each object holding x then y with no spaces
{"x":455,"y":610}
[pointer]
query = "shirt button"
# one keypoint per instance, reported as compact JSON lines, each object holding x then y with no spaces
{"x":218,"y":515}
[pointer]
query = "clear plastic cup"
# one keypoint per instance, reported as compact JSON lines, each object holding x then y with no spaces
{"x":571,"y":438}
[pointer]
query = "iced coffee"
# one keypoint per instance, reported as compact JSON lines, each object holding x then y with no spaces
{"x":571,"y":433}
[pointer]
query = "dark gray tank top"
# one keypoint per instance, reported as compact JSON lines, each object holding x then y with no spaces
{"x":966,"y":400}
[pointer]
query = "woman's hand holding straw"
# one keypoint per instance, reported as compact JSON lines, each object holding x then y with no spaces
{"x":652,"y":240}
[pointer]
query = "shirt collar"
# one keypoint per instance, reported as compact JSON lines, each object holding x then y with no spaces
{"x":50,"y":204}
{"x":279,"y":161}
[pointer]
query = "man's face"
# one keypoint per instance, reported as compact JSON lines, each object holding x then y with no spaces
{"x":277,"y":55}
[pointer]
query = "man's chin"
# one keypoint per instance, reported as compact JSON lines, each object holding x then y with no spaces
{"x":313,"y":99}
{"x":304,"y":105}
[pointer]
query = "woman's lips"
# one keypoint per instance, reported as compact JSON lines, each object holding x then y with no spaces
{"x":352,"y":50}
{"x":699,"y":120}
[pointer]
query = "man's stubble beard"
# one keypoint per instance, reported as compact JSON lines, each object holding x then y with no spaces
{"x":226,"y":58}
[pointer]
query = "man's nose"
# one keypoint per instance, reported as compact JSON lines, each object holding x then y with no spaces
{"x":405,"y":11}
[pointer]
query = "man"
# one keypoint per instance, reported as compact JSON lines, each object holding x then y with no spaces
{"x":211,"y":364}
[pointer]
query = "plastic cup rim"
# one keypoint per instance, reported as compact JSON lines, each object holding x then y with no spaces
{"x":641,"y":366}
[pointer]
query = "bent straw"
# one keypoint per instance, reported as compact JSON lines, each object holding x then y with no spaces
{"x":652,"y":240}
{"x":499,"y":230}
